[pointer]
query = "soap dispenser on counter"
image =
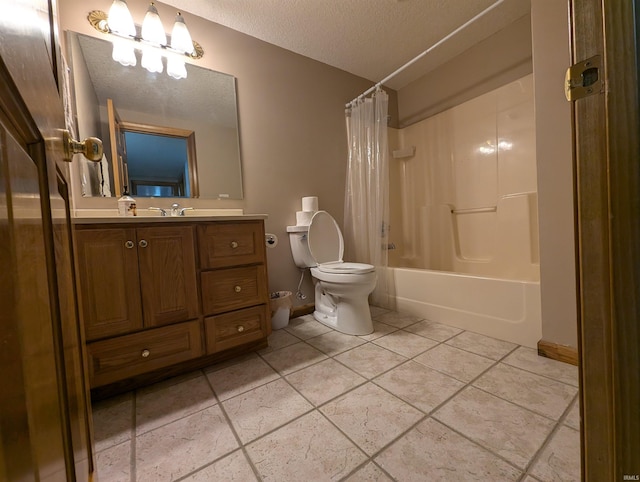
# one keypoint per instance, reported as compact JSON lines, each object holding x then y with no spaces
{"x":126,"y":204}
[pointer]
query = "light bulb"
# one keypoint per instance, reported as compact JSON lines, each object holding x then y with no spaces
{"x":123,"y":53}
{"x":180,"y":36}
{"x":152,"y":60}
{"x":120,"y":20}
{"x":152,"y":29}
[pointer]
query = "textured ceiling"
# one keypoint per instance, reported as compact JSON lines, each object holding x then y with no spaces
{"x":368,"y":38}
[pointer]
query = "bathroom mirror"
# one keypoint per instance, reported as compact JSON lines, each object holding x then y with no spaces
{"x":203,"y":104}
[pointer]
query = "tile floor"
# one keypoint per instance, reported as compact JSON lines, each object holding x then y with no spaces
{"x":414,"y":401}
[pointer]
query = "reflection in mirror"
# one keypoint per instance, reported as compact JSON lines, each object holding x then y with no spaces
{"x":203,"y":104}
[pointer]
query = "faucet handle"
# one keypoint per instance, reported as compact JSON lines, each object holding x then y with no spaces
{"x":182,"y":210}
{"x":162,"y":211}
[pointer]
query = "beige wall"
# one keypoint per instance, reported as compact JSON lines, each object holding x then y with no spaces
{"x":497,"y":60}
{"x":292,"y":129}
{"x":549,"y":19}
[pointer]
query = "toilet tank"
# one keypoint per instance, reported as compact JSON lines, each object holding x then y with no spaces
{"x":300,"y":247}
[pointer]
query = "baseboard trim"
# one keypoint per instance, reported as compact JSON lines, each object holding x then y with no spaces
{"x":561,"y":353}
{"x":302,"y":310}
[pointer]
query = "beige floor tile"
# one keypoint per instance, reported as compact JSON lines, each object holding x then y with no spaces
{"x":370,"y":416}
{"x":537,"y":393}
{"x":528,"y":359}
{"x":228,"y":363}
{"x":112,"y":421}
{"x":370,"y":360}
{"x":232,"y":468}
{"x":504,"y":428}
{"x":481,"y":345}
{"x":433,"y":330}
{"x":421,"y":386}
{"x":452,"y":361}
{"x":405,"y":343}
{"x":379,"y":329}
{"x":369,"y":473}
{"x":308,"y":449}
{"x":377,"y":311}
{"x":560,"y":459}
{"x":242,"y":377}
{"x":433,"y":452}
{"x":323,"y":381}
{"x":305,"y":327}
{"x":334,"y":342}
{"x":114,"y":463}
{"x":159,"y":407}
{"x":399,"y":320}
{"x":279,"y":339}
{"x":293,"y":357}
{"x":176,"y":449}
{"x":573,"y":417}
{"x":529,"y":478}
{"x":262,"y":409}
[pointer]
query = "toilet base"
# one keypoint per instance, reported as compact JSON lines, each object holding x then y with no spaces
{"x":350,"y":318}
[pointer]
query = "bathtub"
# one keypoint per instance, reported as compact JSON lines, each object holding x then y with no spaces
{"x":504,"y":309}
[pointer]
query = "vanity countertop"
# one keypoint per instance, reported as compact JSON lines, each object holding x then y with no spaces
{"x":110,"y":217}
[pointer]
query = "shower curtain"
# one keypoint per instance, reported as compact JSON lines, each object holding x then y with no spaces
{"x":366,"y":213}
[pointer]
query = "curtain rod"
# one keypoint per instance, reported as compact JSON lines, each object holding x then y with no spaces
{"x":419,"y":56}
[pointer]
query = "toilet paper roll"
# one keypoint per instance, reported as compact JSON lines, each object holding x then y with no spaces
{"x":310,"y":203}
{"x":303,"y":218}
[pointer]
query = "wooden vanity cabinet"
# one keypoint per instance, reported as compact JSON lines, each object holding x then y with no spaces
{"x":135,"y":278}
{"x":160,"y":297}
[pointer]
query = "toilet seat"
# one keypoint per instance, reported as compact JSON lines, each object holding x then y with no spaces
{"x":326,"y":245}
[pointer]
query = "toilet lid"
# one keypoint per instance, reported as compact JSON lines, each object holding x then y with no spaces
{"x":325,"y":239}
{"x":327,"y":246}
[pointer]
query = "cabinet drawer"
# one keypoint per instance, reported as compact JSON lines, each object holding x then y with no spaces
{"x":233,"y":288}
{"x":231,"y":244}
{"x":130,"y":355}
{"x":236,"y":328}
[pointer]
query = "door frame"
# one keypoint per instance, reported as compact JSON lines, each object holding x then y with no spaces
{"x":606,"y":132}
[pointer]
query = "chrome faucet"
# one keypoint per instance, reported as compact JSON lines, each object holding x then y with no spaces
{"x":175,"y":210}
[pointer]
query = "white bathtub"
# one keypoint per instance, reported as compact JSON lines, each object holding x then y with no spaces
{"x":504,"y":309}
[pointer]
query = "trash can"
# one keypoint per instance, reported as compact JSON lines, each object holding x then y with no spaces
{"x":281,"y":304}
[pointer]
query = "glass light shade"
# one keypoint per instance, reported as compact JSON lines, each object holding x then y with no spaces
{"x":152,"y":60}
{"x":180,"y":36}
{"x":120,"y":20}
{"x":152,"y":29}
{"x":123,"y":53}
{"x":176,"y":68}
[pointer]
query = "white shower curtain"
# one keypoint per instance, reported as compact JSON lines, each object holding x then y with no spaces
{"x":366,"y":213}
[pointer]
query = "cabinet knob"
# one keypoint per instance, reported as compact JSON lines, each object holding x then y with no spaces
{"x":234,"y":244}
{"x":240,"y":329}
{"x":129,"y":244}
{"x":238,"y":289}
{"x":145,"y":353}
{"x":143,"y":243}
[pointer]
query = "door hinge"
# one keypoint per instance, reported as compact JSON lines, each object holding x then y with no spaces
{"x":584,"y":79}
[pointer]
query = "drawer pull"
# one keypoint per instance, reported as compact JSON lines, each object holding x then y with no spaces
{"x":145,"y":353}
{"x":238,"y":288}
{"x":143,"y":243}
{"x":240,"y":328}
{"x":234,"y":244}
{"x":129,"y":244}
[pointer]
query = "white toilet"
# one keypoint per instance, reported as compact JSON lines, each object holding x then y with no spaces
{"x":342,"y":289}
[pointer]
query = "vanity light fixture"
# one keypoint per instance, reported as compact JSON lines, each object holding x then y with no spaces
{"x":152,"y":40}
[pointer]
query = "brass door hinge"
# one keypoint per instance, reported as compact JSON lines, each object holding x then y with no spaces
{"x":584,"y":79}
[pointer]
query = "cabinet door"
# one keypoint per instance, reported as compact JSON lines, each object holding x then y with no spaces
{"x":167,"y":274}
{"x":109,"y":287}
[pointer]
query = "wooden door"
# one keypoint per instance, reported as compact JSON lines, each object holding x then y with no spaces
{"x":44,"y":407}
{"x":108,"y":274}
{"x":118,"y":150}
{"x":167,"y":274}
{"x":607,"y":158}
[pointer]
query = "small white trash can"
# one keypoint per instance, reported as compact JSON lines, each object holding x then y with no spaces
{"x":281,"y":304}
